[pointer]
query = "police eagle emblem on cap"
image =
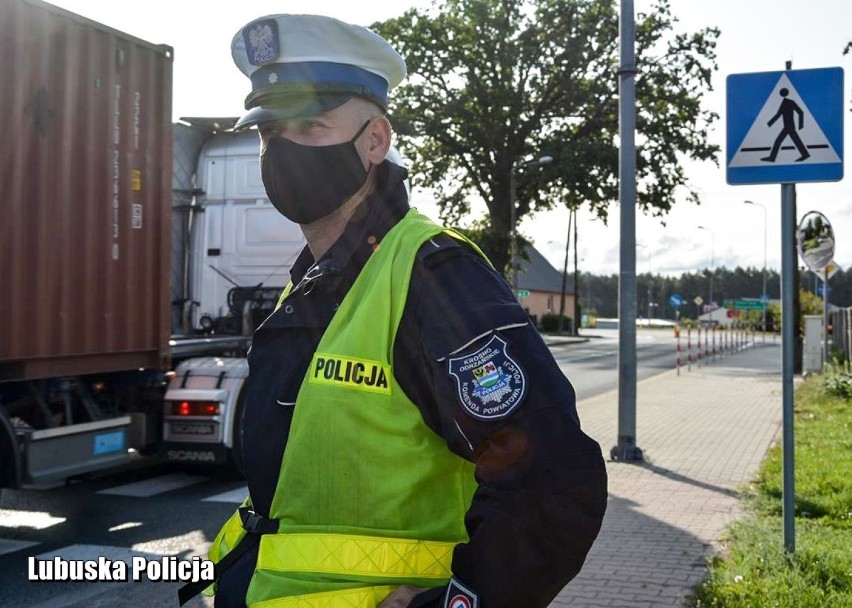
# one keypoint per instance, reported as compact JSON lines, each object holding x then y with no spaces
{"x":261,"y":38}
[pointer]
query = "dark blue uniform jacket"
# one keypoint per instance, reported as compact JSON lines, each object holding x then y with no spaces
{"x":542,"y":482}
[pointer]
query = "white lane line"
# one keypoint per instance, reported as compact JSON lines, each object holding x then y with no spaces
{"x":154,"y":486}
{"x":126,"y":526}
{"x":234,"y":496}
{"x":36,"y":520}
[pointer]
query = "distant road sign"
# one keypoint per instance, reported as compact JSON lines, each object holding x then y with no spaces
{"x":830,"y":270}
{"x":744,"y":304}
{"x":698,"y":300}
{"x":523,"y":293}
{"x":785,"y":127}
{"x":676,"y":300}
{"x":821,"y":289}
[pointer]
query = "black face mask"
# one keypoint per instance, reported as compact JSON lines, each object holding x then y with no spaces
{"x":306,"y":183}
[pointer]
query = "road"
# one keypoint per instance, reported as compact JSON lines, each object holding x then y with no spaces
{"x":592,"y":367}
{"x":176,"y":511}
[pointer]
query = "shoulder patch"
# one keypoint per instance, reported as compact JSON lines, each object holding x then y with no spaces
{"x":489,"y":383}
{"x":459,"y":596}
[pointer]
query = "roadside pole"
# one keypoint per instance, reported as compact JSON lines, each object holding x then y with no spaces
{"x":788,"y":337}
{"x":626,"y":449}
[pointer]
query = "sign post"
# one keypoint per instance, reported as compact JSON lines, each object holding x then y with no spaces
{"x":783,"y":128}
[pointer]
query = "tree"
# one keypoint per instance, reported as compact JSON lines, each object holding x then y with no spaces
{"x":494,"y":83}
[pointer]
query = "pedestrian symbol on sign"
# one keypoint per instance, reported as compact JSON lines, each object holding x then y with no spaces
{"x":787,"y":112}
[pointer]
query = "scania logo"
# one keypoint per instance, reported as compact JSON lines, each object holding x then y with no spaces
{"x":187,"y":455}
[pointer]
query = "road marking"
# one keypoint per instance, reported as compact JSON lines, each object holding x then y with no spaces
{"x":36,"y":520}
{"x":155,"y":485}
{"x":125,"y":526}
{"x":234,"y":496}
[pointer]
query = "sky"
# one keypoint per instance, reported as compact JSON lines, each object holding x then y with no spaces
{"x":756,"y":36}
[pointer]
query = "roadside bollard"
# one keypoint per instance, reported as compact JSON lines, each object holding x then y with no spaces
{"x":677,"y":348}
{"x":689,"y":348}
{"x":714,"y":343}
{"x":698,"y":357}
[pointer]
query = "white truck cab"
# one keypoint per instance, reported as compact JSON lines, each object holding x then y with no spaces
{"x":233,"y":252}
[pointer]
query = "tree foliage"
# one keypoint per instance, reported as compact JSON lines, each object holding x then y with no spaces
{"x":495,"y":83}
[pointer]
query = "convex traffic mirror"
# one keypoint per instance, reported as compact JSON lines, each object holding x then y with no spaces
{"x":815,"y":240}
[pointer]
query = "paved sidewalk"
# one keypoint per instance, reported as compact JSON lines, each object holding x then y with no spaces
{"x":703,"y":434}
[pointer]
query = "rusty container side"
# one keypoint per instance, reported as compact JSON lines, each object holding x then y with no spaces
{"x":85,"y":191}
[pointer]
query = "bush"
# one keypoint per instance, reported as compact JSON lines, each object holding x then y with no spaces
{"x":838,"y":382}
{"x":550,"y":323}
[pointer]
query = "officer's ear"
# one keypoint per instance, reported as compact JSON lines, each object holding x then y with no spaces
{"x":378,"y":139}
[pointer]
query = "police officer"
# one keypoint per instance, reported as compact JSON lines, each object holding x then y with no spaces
{"x":409,"y":439}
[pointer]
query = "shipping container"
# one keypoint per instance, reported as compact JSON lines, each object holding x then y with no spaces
{"x":85,"y":193}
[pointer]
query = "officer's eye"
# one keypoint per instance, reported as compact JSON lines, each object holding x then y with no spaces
{"x":308,"y":125}
{"x":268,"y":130}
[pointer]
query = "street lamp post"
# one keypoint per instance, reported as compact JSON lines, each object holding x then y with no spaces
{"x":712,"y":264}
{"x":512,"y":214}
{"x":763,"y":296}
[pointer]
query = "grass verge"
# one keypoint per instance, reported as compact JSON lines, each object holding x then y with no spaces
{"x":754,"y":571}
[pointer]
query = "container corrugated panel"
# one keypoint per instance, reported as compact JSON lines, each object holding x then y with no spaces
{"x":85,"y":195}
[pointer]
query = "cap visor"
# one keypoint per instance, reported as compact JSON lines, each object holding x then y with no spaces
{"x":286,"y":107}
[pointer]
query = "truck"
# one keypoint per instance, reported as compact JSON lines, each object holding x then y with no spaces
{"x":232,"y":253}
{"x":138,"y":256}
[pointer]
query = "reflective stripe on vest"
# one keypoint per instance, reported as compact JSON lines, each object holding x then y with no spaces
{"x":229,"y":535}
{"x":387,"y":558}
{"x":362,"y":597}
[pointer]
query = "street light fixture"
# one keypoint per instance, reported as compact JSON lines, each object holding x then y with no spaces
{"x":512,"y":219}
{"x":712,"y":263}
{"x":763,"y":296}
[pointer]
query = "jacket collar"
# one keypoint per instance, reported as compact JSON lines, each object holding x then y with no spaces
{"x":376,"y":216}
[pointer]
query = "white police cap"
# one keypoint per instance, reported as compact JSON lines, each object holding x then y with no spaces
{"x":302,"y":65}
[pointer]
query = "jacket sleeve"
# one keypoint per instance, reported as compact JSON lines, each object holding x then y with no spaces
{"x":541,"y":492}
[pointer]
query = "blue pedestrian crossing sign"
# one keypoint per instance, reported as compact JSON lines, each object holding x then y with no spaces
{"x":785,"y":127}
